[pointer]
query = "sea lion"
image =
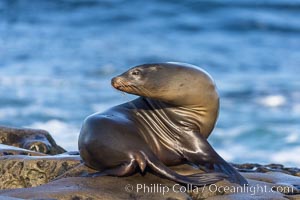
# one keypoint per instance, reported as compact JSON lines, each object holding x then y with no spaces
{"x":166,"y":126}
{"x":31,"y":139}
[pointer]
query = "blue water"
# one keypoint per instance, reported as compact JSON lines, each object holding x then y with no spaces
{"x":57,"y":58}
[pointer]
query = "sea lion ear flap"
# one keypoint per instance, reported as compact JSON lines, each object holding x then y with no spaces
{"x":155,"y":68}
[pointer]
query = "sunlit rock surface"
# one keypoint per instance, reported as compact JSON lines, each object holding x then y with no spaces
{"x":21,"y":171}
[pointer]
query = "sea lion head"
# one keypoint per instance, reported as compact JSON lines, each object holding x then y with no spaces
{"x":174,"y":83}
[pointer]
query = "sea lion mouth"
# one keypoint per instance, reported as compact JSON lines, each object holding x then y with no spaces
{"x":122,"y":87}
{"x":119,"y":84}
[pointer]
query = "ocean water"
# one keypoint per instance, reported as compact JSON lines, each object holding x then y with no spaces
{"x":57,"y":58}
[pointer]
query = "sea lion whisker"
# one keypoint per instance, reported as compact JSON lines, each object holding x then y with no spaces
{"x":122,"y":83}
{"x":146,"y":91}
{"x":143,"y":90}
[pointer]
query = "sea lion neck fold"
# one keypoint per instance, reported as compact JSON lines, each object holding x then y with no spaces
{"x":178,"y":119}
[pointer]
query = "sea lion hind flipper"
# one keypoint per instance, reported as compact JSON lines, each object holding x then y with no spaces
{"x":200,"y":180}
{"x":208,"y":178}
{"x":233,"y":175}
{"x":211,"y":174}
{"x":204,"y":154}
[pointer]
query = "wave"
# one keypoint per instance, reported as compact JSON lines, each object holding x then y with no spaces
{"x":289,"y":156}
{"x":64,"y":134}
{"x":273,"y":101}
{"x":241,"y":154}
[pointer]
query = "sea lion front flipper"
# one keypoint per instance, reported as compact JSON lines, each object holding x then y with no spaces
{"x":200,"y":180}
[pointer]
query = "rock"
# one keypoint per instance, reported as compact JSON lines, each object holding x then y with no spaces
{"x":274,"y":166}
{"x":9,"y":198}
{"x":19,"y":171}
{"x":153,"y":187}
{"x":28,"y":174}
{"x":290,"y":184}
{"x":36,"y":172}
{"x":255,"y":190}
{"x":267,"y":168}
{"x":30,"y":139}
{"x":294,"y":197}
{"x":247,"y":166}
{"x":292,"y":170}
{"x":104,"y":187}
{"x":247,"y":197}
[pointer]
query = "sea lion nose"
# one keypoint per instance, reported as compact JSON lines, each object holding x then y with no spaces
{"x":115,"y":82}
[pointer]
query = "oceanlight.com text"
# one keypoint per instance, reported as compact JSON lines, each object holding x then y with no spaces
{"x":213,"y":188}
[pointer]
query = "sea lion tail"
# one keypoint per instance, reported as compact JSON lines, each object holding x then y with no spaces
{"x":233,"y":175}
{"x":198,"y":180}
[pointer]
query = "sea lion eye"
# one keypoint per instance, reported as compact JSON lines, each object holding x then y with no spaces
{"x":136,"y":73}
